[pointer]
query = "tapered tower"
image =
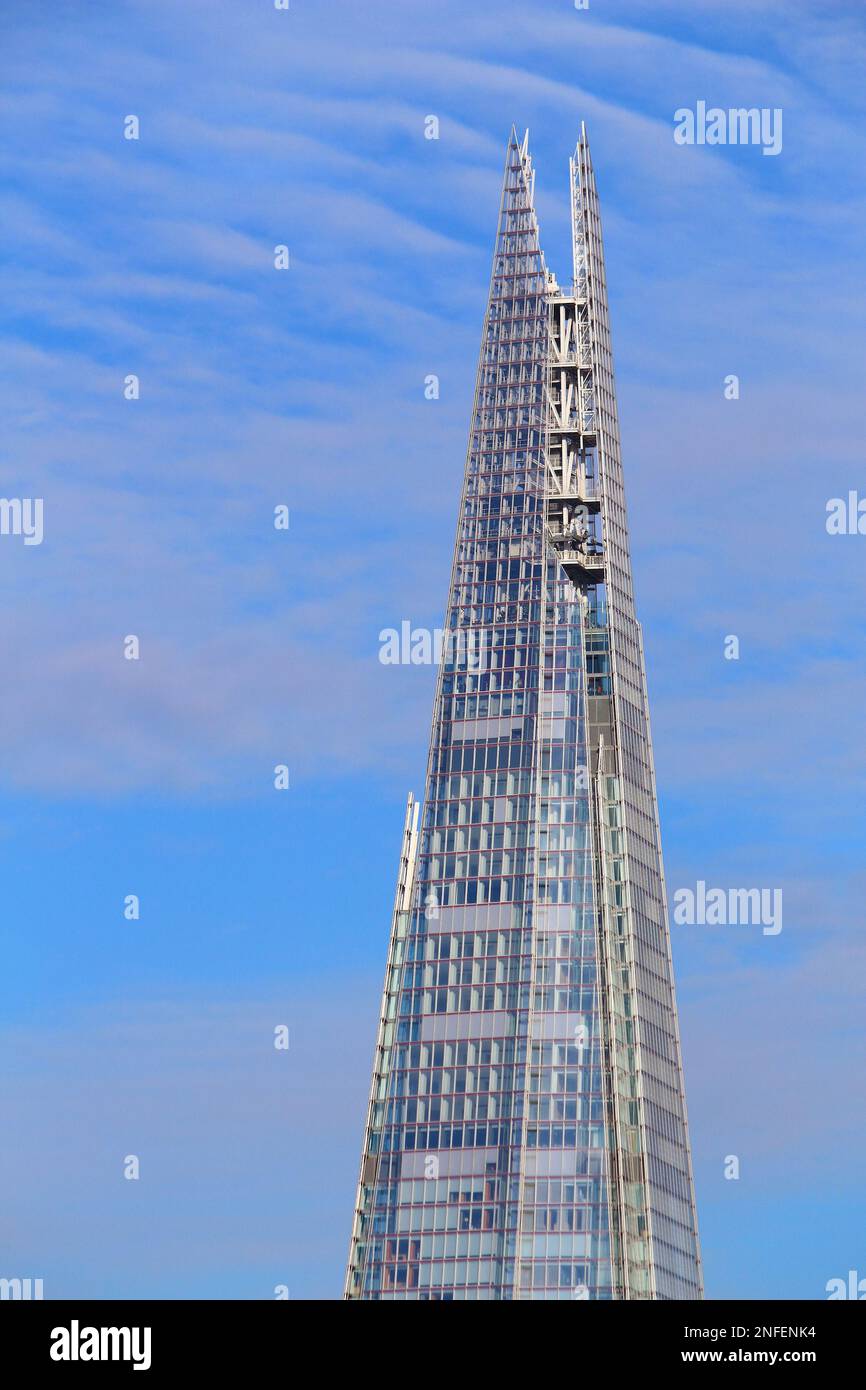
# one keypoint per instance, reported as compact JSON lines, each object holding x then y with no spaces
{"x":526,"y":1135}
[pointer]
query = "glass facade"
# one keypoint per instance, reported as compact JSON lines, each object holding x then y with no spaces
{"x":526,"y":1135}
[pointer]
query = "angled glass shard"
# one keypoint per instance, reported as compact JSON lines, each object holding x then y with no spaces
{"x":526,"y":1135}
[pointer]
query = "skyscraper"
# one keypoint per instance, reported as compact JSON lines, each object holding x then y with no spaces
{"x":526,"y":1135}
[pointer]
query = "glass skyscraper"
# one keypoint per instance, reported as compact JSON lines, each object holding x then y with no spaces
{"x":526,"y":1135}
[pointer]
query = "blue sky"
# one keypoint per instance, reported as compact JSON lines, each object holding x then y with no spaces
{"x":258,"y":647}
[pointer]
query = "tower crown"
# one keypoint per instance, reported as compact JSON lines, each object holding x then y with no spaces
{"x":526,"y":1134}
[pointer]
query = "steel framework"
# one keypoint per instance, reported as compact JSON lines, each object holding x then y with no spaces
{"x":526,"y":1132}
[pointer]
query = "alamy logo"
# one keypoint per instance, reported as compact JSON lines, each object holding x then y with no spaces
{"x":21,"y":1288}
{"x":738,"y":126}
{"x":76,"y":1343}
{"x":846,"y":516}
{"x":22,"y":516}
{"x":718,"y":907}
{"x":465,"y":649}
{"x":855,"y":1287}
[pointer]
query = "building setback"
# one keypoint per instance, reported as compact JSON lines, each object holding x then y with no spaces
{"x":526,"y":1135}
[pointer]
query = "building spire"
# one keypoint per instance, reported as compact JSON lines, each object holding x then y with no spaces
{"x":529,"y":941}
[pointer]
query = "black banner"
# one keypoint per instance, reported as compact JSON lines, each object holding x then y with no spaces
{"x":219,"y":1338}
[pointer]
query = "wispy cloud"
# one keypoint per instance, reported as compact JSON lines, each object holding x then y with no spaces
{"x":305,"y":387}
